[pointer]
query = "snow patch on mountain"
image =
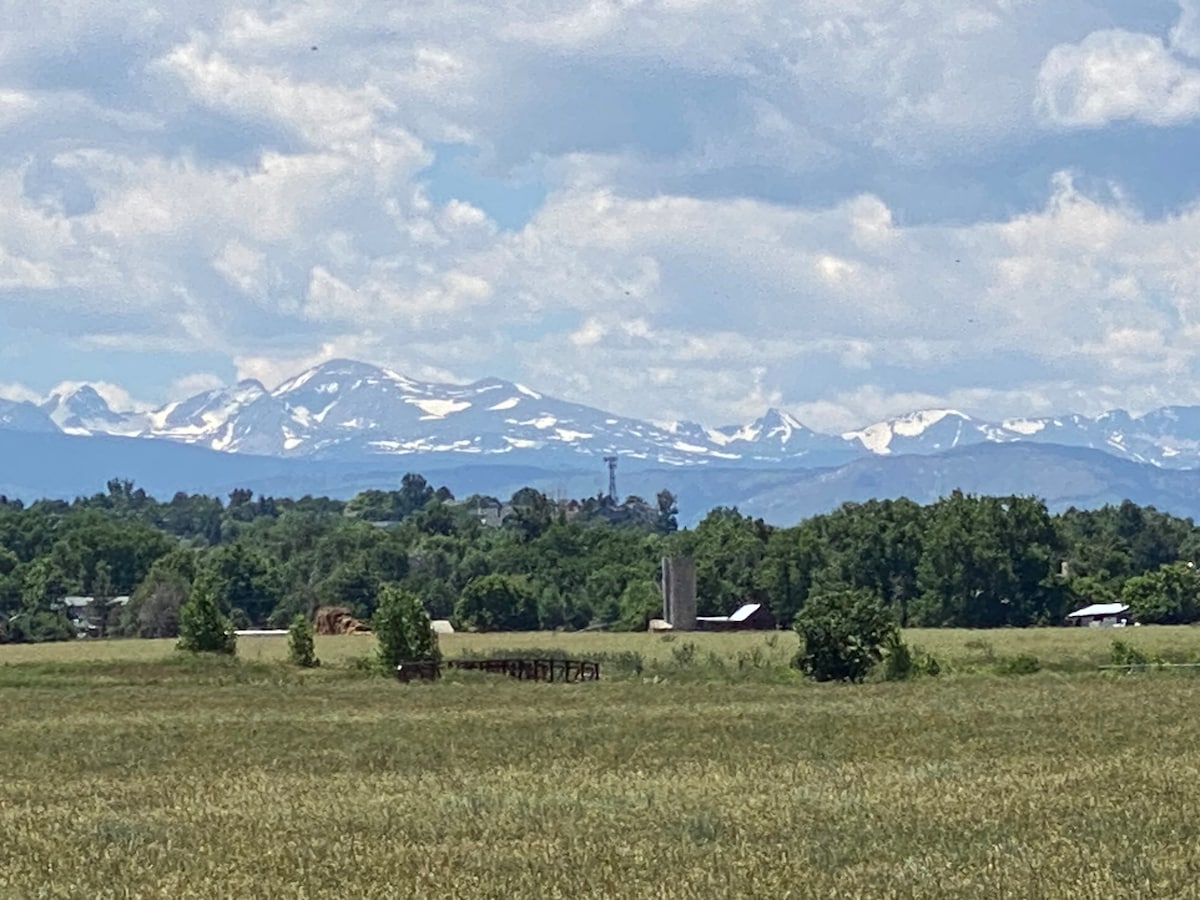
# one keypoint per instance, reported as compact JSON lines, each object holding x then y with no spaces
{"x":875,"y":438}
{"x":439,"y":409}
{"x":527,"y":392}
{"x":937,"y":429}
{"x":919,"y":422}
{"x":1024,"y":426}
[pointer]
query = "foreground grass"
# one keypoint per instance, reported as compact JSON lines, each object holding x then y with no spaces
{"x":197,"y":778}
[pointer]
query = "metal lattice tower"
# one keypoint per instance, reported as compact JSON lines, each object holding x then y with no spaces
{"x":612,"y":477}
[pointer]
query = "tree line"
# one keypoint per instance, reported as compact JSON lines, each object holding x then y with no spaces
{"x":963,"y":561}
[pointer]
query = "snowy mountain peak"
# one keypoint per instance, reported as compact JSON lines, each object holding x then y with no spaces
{"x":774,"y":426}
{"x":333,"y":372}
{"x":81,"y":410}
{"x":939,"y":429}
{"x":350,"y":410}
{"x":781,"y":424}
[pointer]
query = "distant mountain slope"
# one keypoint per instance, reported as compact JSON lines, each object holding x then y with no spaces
{"x":1062,"y":476}
{"x":50,"y":464}
{"x":16,"y":416}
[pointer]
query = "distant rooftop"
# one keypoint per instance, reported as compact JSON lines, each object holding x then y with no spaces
{"x":1099,"y":609}
{"x":80,"y":602}
{"x":744,"y":612}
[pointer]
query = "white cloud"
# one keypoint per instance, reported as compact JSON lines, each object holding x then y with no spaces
{"x":19,"y":393}
{"x":1117,"y":75}
{"x":1185,"y":34}
{"x":194,"y":383}
{"x":275,"y":369}
{"x":14,"y":105}
{"x":225,"y":190}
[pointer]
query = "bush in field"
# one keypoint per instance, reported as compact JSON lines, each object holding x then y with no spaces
{"x":203,"y":628}
{"x":402,"y":627}
{"x":1021,"y":664}
{"x":842,"y":635}
{"x":301,"y":648}
{"x":1123,"y":654}
{"x":898,"y":661}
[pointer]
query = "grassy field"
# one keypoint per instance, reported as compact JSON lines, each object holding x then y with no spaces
{"x":961,"y":649}
{"x":132,"y":773}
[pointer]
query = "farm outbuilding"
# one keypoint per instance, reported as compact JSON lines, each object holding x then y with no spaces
{"x":1100,"y":615}
{"x":87,"y":614}
{"x":747,"y":617}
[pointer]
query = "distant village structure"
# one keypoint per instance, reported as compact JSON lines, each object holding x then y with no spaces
{"x":679,"y":604}
{"x":1102,"y":615}
{"x":89,"y":615}
{"x":747,"y":617}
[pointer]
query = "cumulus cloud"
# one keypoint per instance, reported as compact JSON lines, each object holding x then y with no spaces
{"x":1185,"y":34}
{"x":18,"y":393}
{"x":1117,"y":75}
{"x":194,"y":383}
{"x":198,"y":182}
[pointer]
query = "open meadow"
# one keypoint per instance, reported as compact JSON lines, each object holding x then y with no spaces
{"x":959,"y":649}
{"x":131,"y":771}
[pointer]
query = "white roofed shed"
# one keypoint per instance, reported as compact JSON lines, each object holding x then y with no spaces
{"x":1101,"y":614}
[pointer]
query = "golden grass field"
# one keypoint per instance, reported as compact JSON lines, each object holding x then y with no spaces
{"x":131,"y":771}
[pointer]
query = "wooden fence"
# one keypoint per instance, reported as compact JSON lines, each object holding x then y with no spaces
{"x":523,"y":669}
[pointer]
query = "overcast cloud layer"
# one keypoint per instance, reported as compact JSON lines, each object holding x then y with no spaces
{"x":666,"y":208}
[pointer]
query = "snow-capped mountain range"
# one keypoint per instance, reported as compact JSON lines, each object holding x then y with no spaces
{"x":348,"y":410}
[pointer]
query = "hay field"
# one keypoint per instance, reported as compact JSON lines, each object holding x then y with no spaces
{"x":149,"y":777}
{"x":1057,"y":648}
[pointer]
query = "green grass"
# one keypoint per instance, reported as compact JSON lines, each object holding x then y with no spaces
{"x":127,"y":774}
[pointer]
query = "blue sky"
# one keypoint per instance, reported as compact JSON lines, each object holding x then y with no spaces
{"x":668,"y":208}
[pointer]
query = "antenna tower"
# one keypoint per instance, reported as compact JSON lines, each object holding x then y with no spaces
{"x":612,"y":477}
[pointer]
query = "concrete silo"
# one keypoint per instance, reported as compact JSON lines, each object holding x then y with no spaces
{"x":679,"y":592}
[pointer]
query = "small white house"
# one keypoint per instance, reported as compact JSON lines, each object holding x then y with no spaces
{"x":1101,"y":615}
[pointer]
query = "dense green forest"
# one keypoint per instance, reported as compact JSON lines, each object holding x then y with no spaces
{"x":534,"y":562}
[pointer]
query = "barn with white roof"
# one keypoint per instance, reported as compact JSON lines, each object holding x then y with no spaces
{"x":1101,"y":615}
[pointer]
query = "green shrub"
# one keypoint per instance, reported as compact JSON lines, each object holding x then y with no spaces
{"x":898,"y":661}
{"x":301,"y":647}
{"x":1021,"y":664}
{"x":901,"y":662}
{"x":684,"y":656}
{"x":1122,"y":654}
{"x":842,"y":635}
{"x":403,"y":628}
{"x":202,"y":627}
